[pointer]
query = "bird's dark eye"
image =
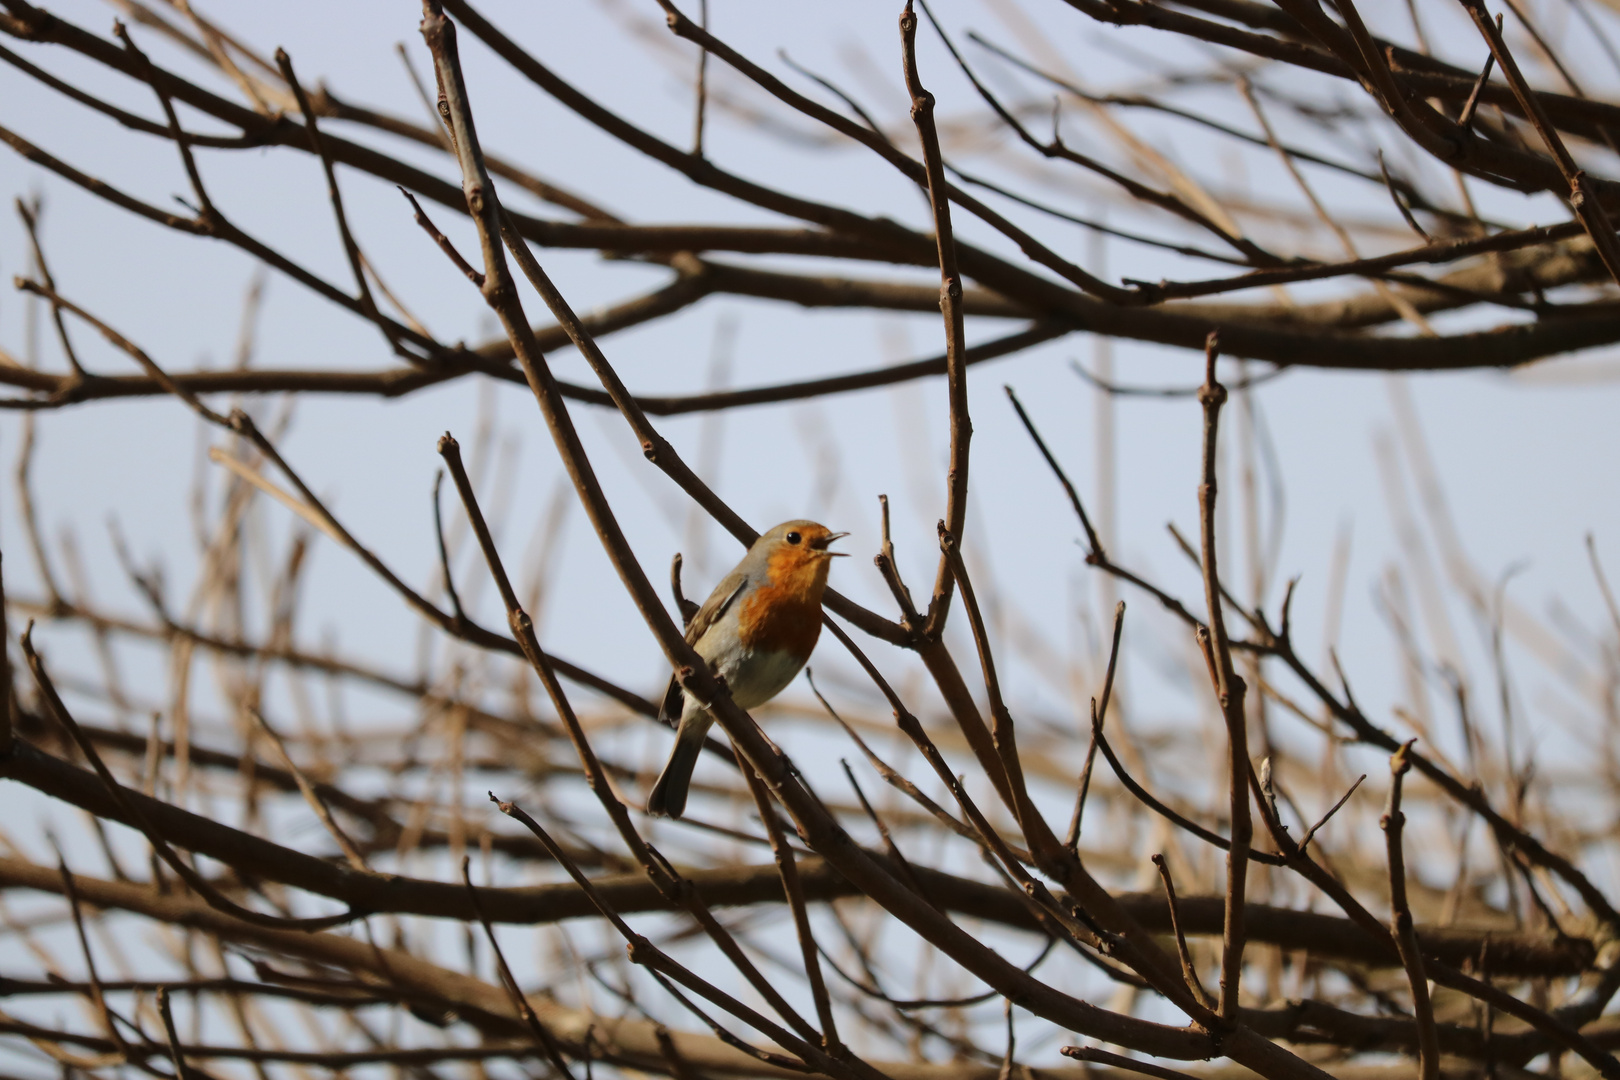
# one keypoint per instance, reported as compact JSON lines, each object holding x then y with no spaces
{"x":793,"y":538}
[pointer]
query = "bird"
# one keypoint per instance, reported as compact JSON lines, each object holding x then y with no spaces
{"x":755,"y":631}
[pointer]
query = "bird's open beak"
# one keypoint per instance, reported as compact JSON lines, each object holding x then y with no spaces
{"x":821,"y":545}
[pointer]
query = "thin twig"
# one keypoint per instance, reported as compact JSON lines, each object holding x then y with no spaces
{"x":1118,"y":1061}
{"x":368,"y":305}
{"x":1400,"y":204}
{"x":702,"y":83}
{"x":442,"y":240}
{"x":444,"y":552}
{"x":1167,"y":391}
{"x":1094,"y":548}
{"x":883,"y":830}
{"x":1465,"y":119}
{"x":889,"y":570}
{"x":893,"y":777}
{"x":98,"y":994}
{"x":794,"y":891}
{"x":8,"y":696}
{"x":1401,"y":929}
{"x":1229,"y":693}
{"x":30,"y":219}
{"x":542,"y":1036}
{"x":1603,"y":585}
{"x":1305,"y":841}
{"x":313,"y":797}
{"x":950,"y":306}
{"x":172,"y":1036}
{"x":686,"y":607}
{"x":1002,"y":730}
{"x":1099,"y":718}
{"x":1147,"y":799}
{"x":1189,"y":971}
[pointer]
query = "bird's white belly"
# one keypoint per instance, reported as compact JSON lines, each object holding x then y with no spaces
{"x":755,"y":678}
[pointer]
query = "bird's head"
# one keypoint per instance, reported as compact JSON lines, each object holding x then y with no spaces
{"x":796,"y":549}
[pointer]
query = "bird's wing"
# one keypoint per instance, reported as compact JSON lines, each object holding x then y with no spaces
{"x":669,"y":710}
{"x":718,"y":603}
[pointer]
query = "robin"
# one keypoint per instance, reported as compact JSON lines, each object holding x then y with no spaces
{"x":755,"y":631}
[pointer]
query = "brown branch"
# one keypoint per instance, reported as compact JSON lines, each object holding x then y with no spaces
{"x":1508,"y":833}
{"x":98,"y":996}
{"x":889,"y":845}
{"x":207,"y":216}
{"x":645,"y":953}
{"x":1036,"y":831}
{"x":328,"y":104}
{"x":1068,"y":917}
{"x":1155,"y":105}
{"x":311,"y":796}
{"x":1554,"y":1030}
{"x":8,"y":697}
{"x":1188,"y":970}
{"x":30,"y":220}
{"x":1099,"y":718}
{"x":1433,"y":252}
{"x":444,"y":552}
{"x":24,"y":478}
{"x":1583,"y":195}
{"x":1465,"y":119}
{"x":486,"y":1006}
{"x":1331,"y":938}
{"x":176,"y":1054}
{"x":217,"y":227}
{"x":1117,"y":390}
{"x":1103,"y":1057}
{"x":520,"y":1003}
{"x":368,"y":305}
{"x":1504,"y":346}
{"x":173,"y":631}
{"x":130,"y":811}
{"x":1147,"y":799}
{"x":950,"y":306}
{"x":793,"y":889}
{"x":923,"y":174}
{"x":1137,"y":190}
{"x":1401,"y":930}
{"x":1094,"y":549}
{"x":892,"y":776}
{"x":1095,"y":556}
{"x":1093,"y":224}
{"x":686,"y":607}
{"x":702,"y":82}
{"x":362,"y":158}
{"x":889,"y":570}
{"x":306,"y":504}
{"x":63,"y":390}
{"x":1229,"y":693}
{"x":443,"y":241}
{"x":335,"y":997}
{"x":1305,"y":841}
{"x":407,"y":1058}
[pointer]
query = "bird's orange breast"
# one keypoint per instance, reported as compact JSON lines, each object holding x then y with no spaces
{"x":784,"y":613}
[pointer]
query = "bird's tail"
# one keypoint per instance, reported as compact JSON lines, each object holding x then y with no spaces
{"x":668,"y":796}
